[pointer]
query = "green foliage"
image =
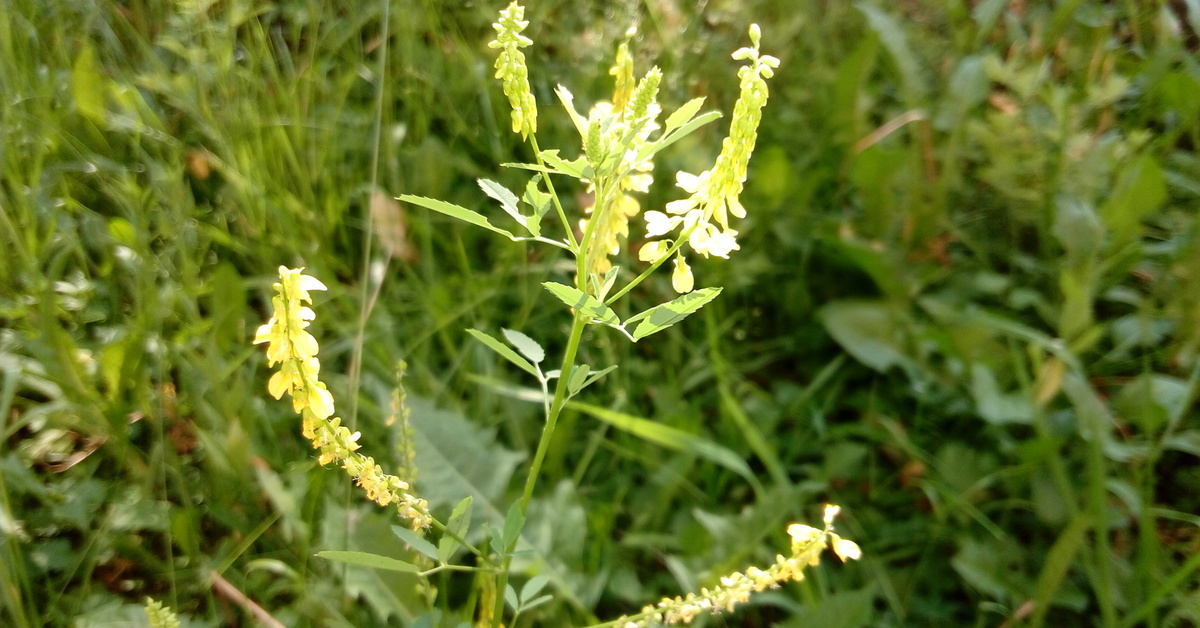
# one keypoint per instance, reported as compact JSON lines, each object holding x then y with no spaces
{"x":966,"y":307}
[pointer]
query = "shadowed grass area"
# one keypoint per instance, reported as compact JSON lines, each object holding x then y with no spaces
{"x":965,"y":309}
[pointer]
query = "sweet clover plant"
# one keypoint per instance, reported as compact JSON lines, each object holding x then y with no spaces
{"x":618,"y":141}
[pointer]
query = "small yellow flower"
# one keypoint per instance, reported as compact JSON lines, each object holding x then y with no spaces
{"x":681,"y":277}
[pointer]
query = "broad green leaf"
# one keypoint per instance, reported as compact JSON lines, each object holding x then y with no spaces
{"x":504,"y":350}
{"x":416,"y":541}
{"x":458,"y":458}
{"x":585,"y":303}
{"x":367,"y":559}
{"x":873,"y":332}
{"x":683,"y":114}
{"x":507,"y":199}
{"x":454,"y":211}
{"x":664,"y":315}
{"x":671,"y":438}
{"x":458,"y":525}
{"x":526,"y":345}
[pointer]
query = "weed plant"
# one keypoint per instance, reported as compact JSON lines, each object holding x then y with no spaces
{"x":964,"y":308}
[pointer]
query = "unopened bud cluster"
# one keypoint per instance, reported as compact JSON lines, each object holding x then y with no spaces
{"x":511,"y":68}
{"x":295,"y":350}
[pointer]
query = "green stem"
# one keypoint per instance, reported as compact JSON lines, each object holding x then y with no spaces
{"x":562,"y":215}
{"x":556,"y":407}
{"x":679,"y":242}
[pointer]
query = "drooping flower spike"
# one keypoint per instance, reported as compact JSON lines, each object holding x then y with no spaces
{"x":295,"y":350}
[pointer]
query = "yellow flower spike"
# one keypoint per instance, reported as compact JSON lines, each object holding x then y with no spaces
{"x":511,"y":68}
{"x":295,"y":350}
{"x":713,"y":194}
{"x":734,"y":589}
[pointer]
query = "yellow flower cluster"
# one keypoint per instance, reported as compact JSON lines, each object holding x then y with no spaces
{"x":295,"y":350}
{"x":160,"y":616}
{"x":633,"y":110}
{"x":713,"y":194}
{"x":807,"y":545}
{"x":511,"y":68}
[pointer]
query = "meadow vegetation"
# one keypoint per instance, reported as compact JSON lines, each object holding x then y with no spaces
{"x":965,"y":308}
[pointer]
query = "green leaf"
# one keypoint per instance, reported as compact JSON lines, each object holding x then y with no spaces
{"x":539,"y":201}
{"x":458,"y":458}
{"x":664,"y":315}
{"x":454,"y":211}
{"x":578,"y":376}
{"x":507,"y":199}
{"x":514,"y":521}
{"x":416,"y":541}
{"x":1141,"y":190}
{"x":526,"y":345}
{"x":873,"y":332}
{"x":504,"y":350}
{"x":510,"y":596}
{"x":532,"y":588}
{"x":1058,"y":562}
{"x":596,"y":375}
{"x":459,"y":523}
{"x":366,"y":559}
{"x":652,"y":148}
{"x":683,"y":114}
{"x":528,"y":604}
{"x":576,"y":169}
{"x":671,"y":438}
{"x":585,"y":303}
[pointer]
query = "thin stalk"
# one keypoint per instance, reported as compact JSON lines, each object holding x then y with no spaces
{"x":556,"y":407}
{"x":562,"y":215}
{"x":679,"y":242}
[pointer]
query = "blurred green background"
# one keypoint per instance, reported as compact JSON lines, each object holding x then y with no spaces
{"x":966,"y":308}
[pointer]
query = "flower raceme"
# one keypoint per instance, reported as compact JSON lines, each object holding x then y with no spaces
{"x":295,"y":351}
{"x":703,"y":217}
{"x":807,"y":544}
{"x":511,"y":68}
